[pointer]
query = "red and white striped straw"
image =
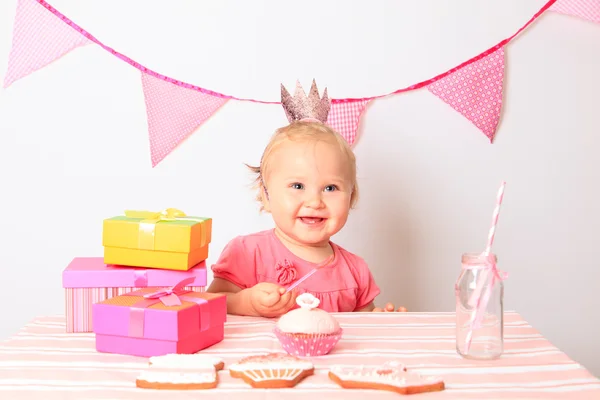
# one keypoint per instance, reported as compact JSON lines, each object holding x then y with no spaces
{"x":492,"y":232}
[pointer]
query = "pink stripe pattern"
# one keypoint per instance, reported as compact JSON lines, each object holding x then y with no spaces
{"x":495,"y":215}
{"x":42,"y":361}
{"x":39,"y":38}
{"x":79,"y":301}
{"x":585,"y":9}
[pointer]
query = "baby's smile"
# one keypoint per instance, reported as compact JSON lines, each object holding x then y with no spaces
{"x":312,"y":220}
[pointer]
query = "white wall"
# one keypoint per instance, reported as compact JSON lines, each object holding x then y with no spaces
{"x":75,"y":150}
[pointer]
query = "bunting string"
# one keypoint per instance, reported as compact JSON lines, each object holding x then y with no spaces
{"x":175,"y":109}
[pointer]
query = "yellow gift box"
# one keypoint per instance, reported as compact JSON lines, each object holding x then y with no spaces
{"x":168,"y":239}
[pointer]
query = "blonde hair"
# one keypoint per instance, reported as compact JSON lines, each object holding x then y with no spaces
{"x":302,"y":130}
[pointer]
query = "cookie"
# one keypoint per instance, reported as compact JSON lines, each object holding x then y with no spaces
{"x":186,"y":361}
{"x":180,"y":372}
{"x":175,"y":380}
{"x":390,"y":376}
{"x":274,"y":370}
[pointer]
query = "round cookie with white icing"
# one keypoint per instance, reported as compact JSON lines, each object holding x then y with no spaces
{"x":274,"y":370}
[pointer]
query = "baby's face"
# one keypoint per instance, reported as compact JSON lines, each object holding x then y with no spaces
{"x":310,"y":186}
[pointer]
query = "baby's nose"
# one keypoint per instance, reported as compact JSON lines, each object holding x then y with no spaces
{"x":313,"y":200}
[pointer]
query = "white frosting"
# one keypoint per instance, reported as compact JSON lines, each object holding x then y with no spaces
{"x":308,"y":318}
{"x":302,"y":365}
{"x":185,"y":361}
{"x":272,"y":366}
{"x":392,"y":374}
{"x":206,"y":376}
{"x":269,"y":374}
{"x":181,"y":369}
{"x":307,"y":301}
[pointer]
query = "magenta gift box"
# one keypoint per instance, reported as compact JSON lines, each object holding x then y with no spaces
{"x":87,"y":280}
{"x":135,"y":325}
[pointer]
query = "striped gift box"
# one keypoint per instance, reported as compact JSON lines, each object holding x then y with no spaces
{"x":88,"y":280}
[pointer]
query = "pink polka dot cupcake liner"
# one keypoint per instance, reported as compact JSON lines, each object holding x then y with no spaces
{"x":306,"y":344}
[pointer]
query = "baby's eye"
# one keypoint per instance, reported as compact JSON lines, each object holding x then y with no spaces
{"x":331,"y":188}
{"x":297,"y":185}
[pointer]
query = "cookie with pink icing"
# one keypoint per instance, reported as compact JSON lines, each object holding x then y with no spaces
{"x":308,"y":330}
{"x":273,"y":370}
{"x":390,"y":376}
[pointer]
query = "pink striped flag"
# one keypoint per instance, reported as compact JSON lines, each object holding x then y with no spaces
{"x":345,"y":116}
{"x":586,"y":9}
{"x":174,"y":112}
{"x":39,"y":38}
{"x":475,"y":91}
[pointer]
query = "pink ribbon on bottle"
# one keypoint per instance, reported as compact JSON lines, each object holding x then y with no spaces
{"x":169,"y":297}
{"x":478,"y":300}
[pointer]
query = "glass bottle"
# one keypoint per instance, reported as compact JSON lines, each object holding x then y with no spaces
{"x":479,"y":329}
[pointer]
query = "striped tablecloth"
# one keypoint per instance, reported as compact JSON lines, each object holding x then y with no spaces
{"x":44,"y":362}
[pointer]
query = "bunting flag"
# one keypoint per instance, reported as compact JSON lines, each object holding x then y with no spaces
{"x":585,"y":9}
{"x":175,"y":109}
{"x":475,"y":91}
{"x":344,"y":118}
{"x":38,"y":39}
{"x":174,"y":112}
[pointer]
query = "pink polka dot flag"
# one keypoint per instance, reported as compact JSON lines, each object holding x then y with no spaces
{"x":345,"y":116}
{"x":174,"y":112}
{"x":475,"y":91}
{"x":586,"y":9}
{"x":38,"y":39}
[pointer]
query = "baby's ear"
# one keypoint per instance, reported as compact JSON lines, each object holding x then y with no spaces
{"x":264,"y":198}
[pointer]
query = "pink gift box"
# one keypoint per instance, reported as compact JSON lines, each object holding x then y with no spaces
{"x":137,"y":325}
{"x":87,"y":280}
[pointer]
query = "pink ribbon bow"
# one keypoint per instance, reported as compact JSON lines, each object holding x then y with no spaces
{"x":169,"y":297}
{"x":286,"y":272}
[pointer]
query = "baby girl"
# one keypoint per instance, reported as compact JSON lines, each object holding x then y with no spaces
{"x":307,"y":182}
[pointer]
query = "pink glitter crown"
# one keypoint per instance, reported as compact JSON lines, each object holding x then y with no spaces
{"x":302,"y":107}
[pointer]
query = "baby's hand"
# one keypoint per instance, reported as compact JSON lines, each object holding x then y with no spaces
{"x":389,"y":307}
{"x":269,"y":300}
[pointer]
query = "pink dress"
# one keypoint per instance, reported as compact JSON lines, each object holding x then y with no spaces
{"x":345,"y":286}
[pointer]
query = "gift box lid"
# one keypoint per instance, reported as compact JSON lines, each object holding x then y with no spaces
{"x":147,"y":231}
{"x":92,"y":272}
{"x":127,"y":315}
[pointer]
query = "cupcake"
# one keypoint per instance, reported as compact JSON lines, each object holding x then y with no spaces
{"x":308,"y":330}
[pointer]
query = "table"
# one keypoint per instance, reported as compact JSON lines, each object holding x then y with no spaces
{"x":42,"y":361}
